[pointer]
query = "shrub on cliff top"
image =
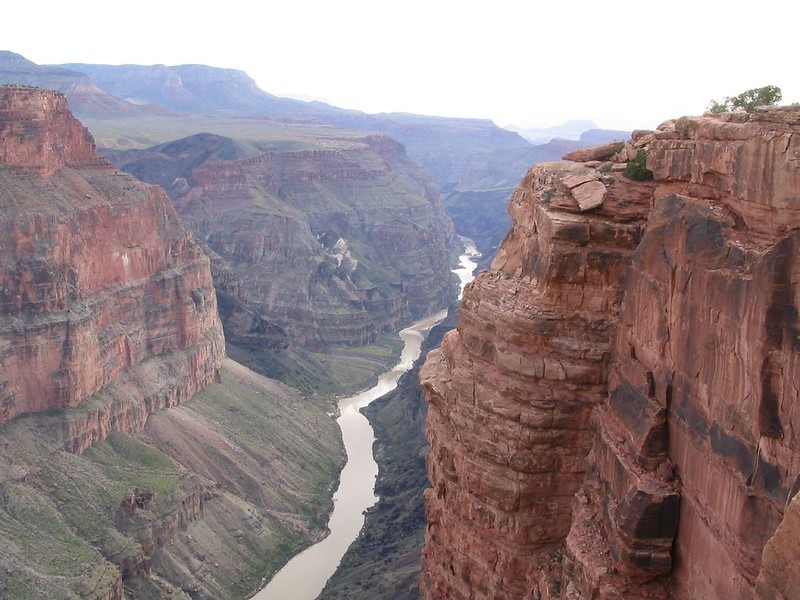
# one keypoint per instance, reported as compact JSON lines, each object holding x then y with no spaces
{"x":748,"y":100}
{"x":637,"y":168}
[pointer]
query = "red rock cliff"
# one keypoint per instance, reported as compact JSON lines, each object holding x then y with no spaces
{"x":103,"y":294}
{"x":39,"y":134}
{"x":614,"y":417}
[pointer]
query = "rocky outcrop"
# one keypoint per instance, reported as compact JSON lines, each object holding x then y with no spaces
{"x":335,"y":244}
{"x":780,"y":570}
{"x":614,"y":417}
{"x":38,"y":133}
{"x":137,"y":518}
{"x":511,"y":390}
{"x":103,"y":295}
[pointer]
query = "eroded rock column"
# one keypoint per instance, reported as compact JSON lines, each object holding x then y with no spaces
{"x":637,"y":343}
{"x":512,"y":390}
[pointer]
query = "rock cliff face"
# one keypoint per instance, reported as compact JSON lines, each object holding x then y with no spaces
{"x":40,"y":135}
{"x":108,"y":314}
{"x":357,"y":225}
{"x":100,"y":285}
{"x":244,"y":325}
{"x":614,"y":417}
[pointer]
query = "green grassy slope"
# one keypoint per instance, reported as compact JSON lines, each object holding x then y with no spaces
{"x":234,"y":482}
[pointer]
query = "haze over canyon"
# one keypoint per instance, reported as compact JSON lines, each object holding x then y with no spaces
{"x":193,"y":272}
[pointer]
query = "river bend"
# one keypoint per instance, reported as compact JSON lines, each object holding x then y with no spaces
{"x":305,"y":575}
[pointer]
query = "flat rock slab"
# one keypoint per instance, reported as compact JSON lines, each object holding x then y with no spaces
{"x":589,"y":195}
{"x":603,"y":152}
{"x":574,"y":181}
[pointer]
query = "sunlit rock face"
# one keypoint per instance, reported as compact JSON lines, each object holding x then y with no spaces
{"x":614,"y":416}
{"x":99,"y":282}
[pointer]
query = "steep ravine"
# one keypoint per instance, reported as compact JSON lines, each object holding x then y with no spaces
{"x":135,"y":461}
{"x":358,"y":225}
{"x":384,"y":560}
{"x":614,"y":415}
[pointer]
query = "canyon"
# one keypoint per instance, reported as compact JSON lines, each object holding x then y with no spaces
{"x":614,"y":415}
{"x":136,"y":459}
{"x":335,"y":242}
{"x":475,"y":164}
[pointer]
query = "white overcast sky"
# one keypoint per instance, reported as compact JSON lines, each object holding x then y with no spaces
{"x":622,"y":64}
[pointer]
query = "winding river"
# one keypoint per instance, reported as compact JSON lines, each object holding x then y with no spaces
{"x":305,"y":576}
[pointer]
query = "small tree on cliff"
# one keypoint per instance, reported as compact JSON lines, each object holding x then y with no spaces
{"x":748,"y":100}
{"x":637,"y":168}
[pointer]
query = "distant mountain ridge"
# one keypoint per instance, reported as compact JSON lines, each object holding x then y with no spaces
{"x":191,"y":89}
{"x":442,"y":144}
{"x":96,"y":90}
{"x":471,"y":160}
{"x":570,"y":130}
{"x":84,"y":96}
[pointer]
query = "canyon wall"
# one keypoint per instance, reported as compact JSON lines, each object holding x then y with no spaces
{"x":99,"y":282}
{"x":614,"y":416}
{"x":335,"y":238}
{"x":108,"y":315}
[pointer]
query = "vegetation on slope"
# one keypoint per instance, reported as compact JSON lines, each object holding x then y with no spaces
{"x":226,"y":488}
{"x":748,"y":100}
{"x":339,"y":371}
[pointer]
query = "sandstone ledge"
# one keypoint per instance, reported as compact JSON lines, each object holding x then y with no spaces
{"x":668,"y":310}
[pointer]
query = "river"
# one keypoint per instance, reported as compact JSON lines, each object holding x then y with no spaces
{"x":305,"y":575}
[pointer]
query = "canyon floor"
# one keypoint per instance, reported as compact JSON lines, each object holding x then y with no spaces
{"x":228,"y":486}
{"x":384,"y":562}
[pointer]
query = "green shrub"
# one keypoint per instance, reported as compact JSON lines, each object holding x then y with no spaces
{"x":748,"y":100}
{"x":637,"y":168}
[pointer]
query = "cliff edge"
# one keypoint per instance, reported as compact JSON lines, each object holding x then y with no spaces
{"x":107,"y":316}
{"x":614,"y":416}
{"x":99,"y":282}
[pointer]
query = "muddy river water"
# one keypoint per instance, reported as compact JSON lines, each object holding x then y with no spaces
{"x":305,"y":575}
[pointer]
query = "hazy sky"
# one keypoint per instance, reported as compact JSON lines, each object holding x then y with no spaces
{"x":621,"y":64}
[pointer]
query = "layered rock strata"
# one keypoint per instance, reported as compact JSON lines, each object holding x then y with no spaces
{"x":335,"y":242}
{"x":511,"y":390}
{"x":38,"y":133}
{"x":108,"y":314}
{"x":244,"y":325}
{"x":614,"y":417}
{"x":100,"y":284}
